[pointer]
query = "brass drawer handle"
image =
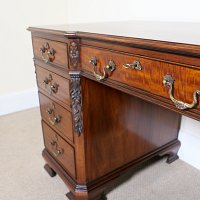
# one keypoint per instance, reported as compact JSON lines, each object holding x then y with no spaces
{"x":54,"y":140}
{"x":47,"y":53}
{"x":168,"y":81}
{"x":52,"y":87}
{"x":56,"y":118}
{"x":135,"y":65}
{"x":106,"y":71}
{"x":56,"y":150}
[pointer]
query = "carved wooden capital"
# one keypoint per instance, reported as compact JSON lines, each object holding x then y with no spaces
{"x":73,"y":53}
{"x":76,"y":101}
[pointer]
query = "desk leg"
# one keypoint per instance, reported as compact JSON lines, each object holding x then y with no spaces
{"x":49,"y":170}
{"x":171,"y":152}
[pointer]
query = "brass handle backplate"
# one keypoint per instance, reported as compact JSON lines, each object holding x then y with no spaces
{"x":53,"y":118}
{"x":168,"y":81}
{"x":47,"y":53}
{"x":52,"y":87}
{"x":135,"y":65}
{"x":106,"y":70}
{"x":56,"y":150}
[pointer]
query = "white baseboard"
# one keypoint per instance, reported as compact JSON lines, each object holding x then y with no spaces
{"x":18,"y":101}
{"x":190,"y":148}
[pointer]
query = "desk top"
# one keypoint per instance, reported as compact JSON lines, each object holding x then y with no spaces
{"x":163,"y":48}
{"x":179,"y":32}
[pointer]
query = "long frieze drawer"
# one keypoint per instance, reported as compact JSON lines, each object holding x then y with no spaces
{"x":50,"y":51}
{"x":53,"y":84}
{"x":179,"y":83}
{"x":56,"y":116}
{"x":59,"y":149}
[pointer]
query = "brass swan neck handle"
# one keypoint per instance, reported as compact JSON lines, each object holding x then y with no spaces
{"x":168,"y":81}
{"x":54,"y":145}
{"x":55,"y":117}
{"x":52,"y":87}
{"x":47,"y":53}
{"x":106,"y":70}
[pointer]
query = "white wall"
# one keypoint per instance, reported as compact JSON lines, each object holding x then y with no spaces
{"x":190,"y":138}
{"x":154,"y":10}
{"x":115,"y":10}
{"x":17,"y":77}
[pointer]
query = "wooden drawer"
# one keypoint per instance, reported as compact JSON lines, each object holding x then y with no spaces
{"x":59,"y":149}
{"x":50,"y":51}
{"x":53,"y":84}
{"x":56,"y":116}
{"x":149,"y":78}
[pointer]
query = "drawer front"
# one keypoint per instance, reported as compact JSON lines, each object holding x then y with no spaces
{"x":50,"y":51}
{"x":53,"y":84}
{"x":149,"y":77}
{"x":56,"y":116}
{"x":59,"y":149}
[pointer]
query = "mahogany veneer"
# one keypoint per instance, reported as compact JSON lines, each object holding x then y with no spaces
{"x":62,"y":84}
{"x":64,"y":126}
{"x":60,"y":51}
{"x":110,"y":101}
{"x":66,"y":157}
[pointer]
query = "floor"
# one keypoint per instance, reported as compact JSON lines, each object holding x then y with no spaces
{"x":22,"y":176}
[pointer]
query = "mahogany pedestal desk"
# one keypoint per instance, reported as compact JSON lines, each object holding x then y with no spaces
{"x":111,"y":97}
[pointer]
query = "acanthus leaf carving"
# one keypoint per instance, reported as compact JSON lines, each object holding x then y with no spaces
{"x":76,"y":101}
{"x":73,"y":54}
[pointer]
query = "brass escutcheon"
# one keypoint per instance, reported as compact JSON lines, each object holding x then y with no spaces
{"x":135,"y":65}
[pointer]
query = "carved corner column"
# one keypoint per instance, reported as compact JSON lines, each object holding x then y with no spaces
{"x":75,"y":85}
{"x":80,"y":191}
